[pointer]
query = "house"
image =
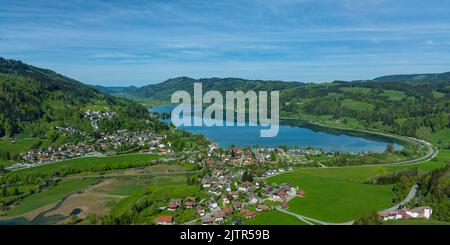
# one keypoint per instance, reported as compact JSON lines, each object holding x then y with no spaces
{"x":218,"y":216}
{"x":262,"y":207}
{"x":206,"y":182}
{"x":278,"y":196}
{"x":191,"y":159}
{"x":244,"y":187}
{"x":172,"y":206}
{"x":225,"y":200}
{"x":164,"y":220}
{"x":228,"y":210}
{"x":420,"y":212}
{"x":252,"y":199}
{"x":176,"y":201}
{"x":217,"y":172}
{"x":207,"y":220}
{"x":248,"y":214}
{"x":234,"y":194}
{"x":301,"y":193}
{"x":212,"y":204}
{"x":189,"y":204}
{"x":238,"y":205}
{"x":201,"y":211}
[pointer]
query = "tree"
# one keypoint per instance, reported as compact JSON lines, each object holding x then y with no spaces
{"x":247,"y":176}
{"x":369,"y":219}
{"x":389,"y":148}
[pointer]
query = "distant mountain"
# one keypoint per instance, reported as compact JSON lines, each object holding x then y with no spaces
{"x":416,"y":78}
{"x":163,"y":91}
{"x":114,"y":90}
{"x":32,"y":100}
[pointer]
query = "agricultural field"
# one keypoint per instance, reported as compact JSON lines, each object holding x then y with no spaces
{"x":356,"y":90}
{"x":357,"y":105}
{"x":439,"y":138}
{"x":48,"y":196}
{"x":394,"y":95}
{"x":8,"y":150}
{"x":274,"y":217}
{"x":333,"y":199}
{"x":86,"y":164}
{"x":340,"y":194}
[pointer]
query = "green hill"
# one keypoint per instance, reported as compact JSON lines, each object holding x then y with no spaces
{"x":163,"y":91}
{"x":32,"y":100}
{"x":414,"y":105}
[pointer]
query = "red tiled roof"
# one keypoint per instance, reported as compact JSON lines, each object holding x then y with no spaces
{"x":164,"y":219}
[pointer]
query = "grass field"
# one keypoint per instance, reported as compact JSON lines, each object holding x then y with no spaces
{"x":333,"y":199}
{"x":274,"y":217}
{"x":91,"y":162}
{"x":48,"y":196}
{"x":359,"y":90}
{"x":21,"y":145}
{"x":340,"y":195}
{"x":440,"y":138}
{"x":357,"y":105}
{"x":6,"y":163}
{"x":394,"y":95}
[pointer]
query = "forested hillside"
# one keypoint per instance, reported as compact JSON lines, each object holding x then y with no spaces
{"x":414,"y":105}
{"x":34,"y":99}
{"x":419,"y":109}
{"x":164,"y":90}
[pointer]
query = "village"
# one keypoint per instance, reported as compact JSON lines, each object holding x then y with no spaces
{"x":106,"y":144}
{"x":236,"y":188}
{"x":233,"y":191}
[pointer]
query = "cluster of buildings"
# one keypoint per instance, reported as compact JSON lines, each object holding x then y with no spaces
{"x":69,"y":130}
{"x":245,"y":156}
{"x":418,"y":212}
{"x":96,"y":116}
{"x":244,"y":202}
{"x":53,"y":154}
{"x":127,"y":138}
{"x":149,"y":141}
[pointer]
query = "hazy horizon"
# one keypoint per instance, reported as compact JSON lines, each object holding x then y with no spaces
{"x":113,"y":43}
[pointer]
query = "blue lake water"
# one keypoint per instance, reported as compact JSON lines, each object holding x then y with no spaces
{"x":291,"y":133}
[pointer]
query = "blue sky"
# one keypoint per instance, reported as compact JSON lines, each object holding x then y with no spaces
{"x":124,"y":43}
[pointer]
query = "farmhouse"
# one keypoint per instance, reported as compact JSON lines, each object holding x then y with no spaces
{"x":207,"y":220}
{"x":262,"y":207}
{"x":247,"y":213}
{"x":189,"y":204}
{"x":228,"y":210}
{"x":201,"y":211}
{"x":301,"y":193}
{"x":420,"y":212}
{"x":164,"y":220}
{"x":244,"y":187}
{"x":218,"y":216}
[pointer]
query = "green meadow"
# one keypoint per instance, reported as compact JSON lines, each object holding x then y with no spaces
{"x":87,"y":163}
{"x":274,"y":217}
{"x":48,"y":196}
{"x":340,"y":194}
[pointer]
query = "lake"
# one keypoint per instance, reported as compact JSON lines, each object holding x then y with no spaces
{"x":291,"y":133}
